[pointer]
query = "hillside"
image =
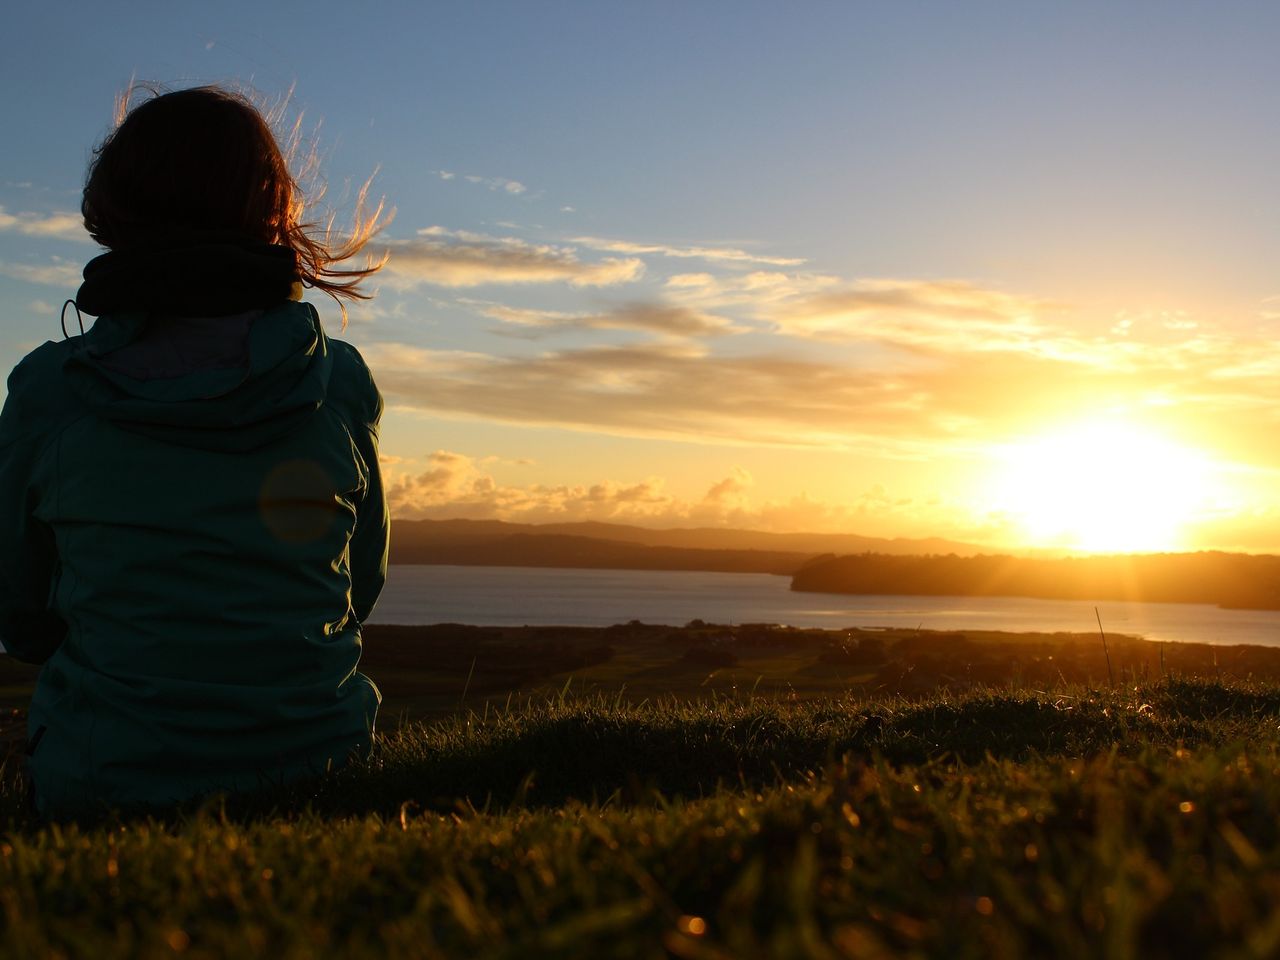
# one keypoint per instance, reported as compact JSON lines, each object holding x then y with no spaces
{"x":558,"y":550}
{"x":619,"y":546}
{"x":1137,"y":822}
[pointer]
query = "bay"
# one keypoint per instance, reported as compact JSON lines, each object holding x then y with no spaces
{"x":543,"y":596}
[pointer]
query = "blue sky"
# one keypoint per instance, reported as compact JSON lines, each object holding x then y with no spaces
{"x":803,"y":266}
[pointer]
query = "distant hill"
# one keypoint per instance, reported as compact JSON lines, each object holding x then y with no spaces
{"x":620,"y":546}
{"x":558,"y":550}
{"x":845,"y":563}
{"x":1223,"y":579}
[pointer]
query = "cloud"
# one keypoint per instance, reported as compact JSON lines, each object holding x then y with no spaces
{"x":501,"y":184}
{"x":454,"y":486}
{"x":935,"y":314}
{"x":59,"y":225}
{"x":669,"y":389}
{"x":921,"y":316}
{"x":890,"y":367}
{"x":59,"y":273}
{"x":880,"y":404}
{"x":712,"y":254}
{"x":757,"y":290}
{"x":658,"y":318}
{"x":497,"y":184}
{"x":461,"y":259}
{"x":942,"y":316}
{"x":732,"y":490}
{"x":447,"y":479}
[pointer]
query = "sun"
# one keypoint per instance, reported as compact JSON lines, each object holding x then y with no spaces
{"x":1103,"y":486}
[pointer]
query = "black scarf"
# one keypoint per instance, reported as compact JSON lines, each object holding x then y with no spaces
{"x":199,"y":275}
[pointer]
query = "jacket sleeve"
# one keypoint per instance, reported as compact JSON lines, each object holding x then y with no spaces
{"x":371,"y":540}
{"x":28,"y":557}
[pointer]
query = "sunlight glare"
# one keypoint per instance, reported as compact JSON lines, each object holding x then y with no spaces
{"x":1103,"y":487}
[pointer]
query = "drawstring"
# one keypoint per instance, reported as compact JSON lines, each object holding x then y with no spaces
{"x":63,"y":319}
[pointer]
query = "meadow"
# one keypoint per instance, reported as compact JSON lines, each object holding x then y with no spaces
{"x":545,"y":807}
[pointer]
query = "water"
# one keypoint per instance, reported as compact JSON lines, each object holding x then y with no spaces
{"x":540,"y":596}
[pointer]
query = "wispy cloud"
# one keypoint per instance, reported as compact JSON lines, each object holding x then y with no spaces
{"x":906,"y":406}
{"x":713,"y":254}
{"x":755,"y":291}
{"x":1269,"y":309}
{"x":888,"y":367}
{"x":938,"y":314}
{"x":56,"y":274}
{"x":657,"y":318}
{"x":462,"y":259}
{"x":502,"y":184}
{"x":496,"y":184}
{"x":662,"y":389}
{"x":918,"y":315}
{"x":61,"y":225}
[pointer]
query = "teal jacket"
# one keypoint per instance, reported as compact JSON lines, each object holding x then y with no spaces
{"x":191,"y":540}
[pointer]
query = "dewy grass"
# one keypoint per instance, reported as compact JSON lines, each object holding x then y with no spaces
{"x":995,"y":824}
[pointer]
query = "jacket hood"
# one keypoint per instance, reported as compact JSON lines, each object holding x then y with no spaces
{"x":230,"y":383}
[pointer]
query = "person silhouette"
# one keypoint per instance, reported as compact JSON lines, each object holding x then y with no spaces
{"x":190,"y":500}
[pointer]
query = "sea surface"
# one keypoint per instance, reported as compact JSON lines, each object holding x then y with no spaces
{"x":541,"y":596}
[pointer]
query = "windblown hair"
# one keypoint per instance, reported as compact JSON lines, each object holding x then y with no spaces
{"x":205,"y":160}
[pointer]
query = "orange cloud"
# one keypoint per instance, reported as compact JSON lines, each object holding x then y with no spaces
{"x":658,"y":318}
{"x":712,"y":254}
{"x":754,"y":294}
{"x":674,"y":390}
{"x":937,"y":314}
{"x":459,"y":259}
{"x":732,"y":490}
{"x":454,"y":486}
{"x":1219,"y":391}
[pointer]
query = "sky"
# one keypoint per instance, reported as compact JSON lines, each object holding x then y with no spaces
{"x":996,"y":271}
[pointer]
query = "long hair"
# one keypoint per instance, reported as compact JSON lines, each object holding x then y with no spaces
{"x":205,"y":159}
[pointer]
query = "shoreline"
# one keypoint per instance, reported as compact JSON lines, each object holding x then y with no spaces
{"x":513,"y":596}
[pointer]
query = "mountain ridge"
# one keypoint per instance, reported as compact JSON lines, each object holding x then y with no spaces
{"x":422,"y":537}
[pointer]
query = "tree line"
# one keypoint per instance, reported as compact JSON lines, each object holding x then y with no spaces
{"x":1225,"y":579}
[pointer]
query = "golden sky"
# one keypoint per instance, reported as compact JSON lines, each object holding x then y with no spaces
{"x":998,"y":273}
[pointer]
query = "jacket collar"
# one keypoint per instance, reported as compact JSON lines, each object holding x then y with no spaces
{"x":197,"y":275}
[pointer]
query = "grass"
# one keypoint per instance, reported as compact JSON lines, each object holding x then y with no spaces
{"x":1139,"y":821}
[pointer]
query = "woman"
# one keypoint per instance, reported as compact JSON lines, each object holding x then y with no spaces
{"x":191,"y":509}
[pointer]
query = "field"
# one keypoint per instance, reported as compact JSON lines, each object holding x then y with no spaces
{"x":708,"y":792}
